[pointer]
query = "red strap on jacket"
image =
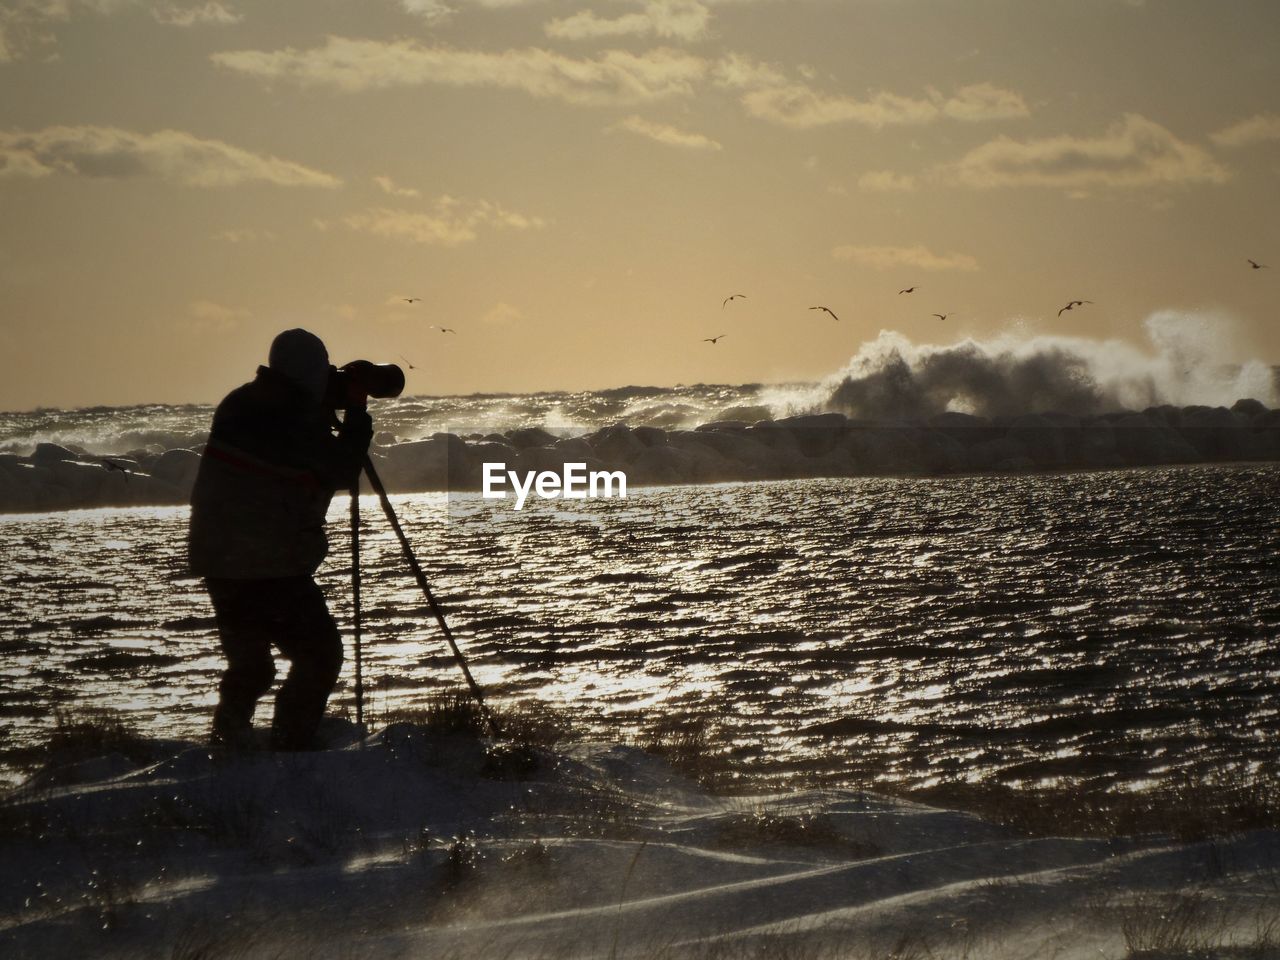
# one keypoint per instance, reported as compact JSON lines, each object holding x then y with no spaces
{"x":261,"y":468}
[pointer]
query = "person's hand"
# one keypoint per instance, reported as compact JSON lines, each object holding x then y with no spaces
{"x":357,"y":429}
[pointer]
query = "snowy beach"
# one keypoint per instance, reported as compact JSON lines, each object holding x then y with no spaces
{"x":415,"y":844}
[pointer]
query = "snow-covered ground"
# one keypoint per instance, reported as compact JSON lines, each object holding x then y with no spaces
{"x":414,"y":845}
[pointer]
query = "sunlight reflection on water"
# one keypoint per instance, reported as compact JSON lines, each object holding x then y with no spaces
{"x":1120,"y":624}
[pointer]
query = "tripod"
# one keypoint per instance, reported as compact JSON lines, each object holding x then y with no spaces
{"x":376,"y":482}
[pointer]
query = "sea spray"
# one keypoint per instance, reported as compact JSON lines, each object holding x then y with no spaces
{"x":1188,"y":359}
{"x":1192,"y":359}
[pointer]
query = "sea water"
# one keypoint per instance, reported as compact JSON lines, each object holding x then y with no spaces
{"x":1118,"y":626}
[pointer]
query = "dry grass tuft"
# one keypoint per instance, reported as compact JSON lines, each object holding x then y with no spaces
{"x":453,"y":711}
{"x":1187,"y":809}
{"x":693,"y":747}
{"x":91,"y":733}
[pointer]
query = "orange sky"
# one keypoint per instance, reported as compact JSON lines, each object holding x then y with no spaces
{"x":575,"y":187}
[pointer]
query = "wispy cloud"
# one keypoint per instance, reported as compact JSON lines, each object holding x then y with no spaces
{"x":984,"y":101}
{"x":1135,"y":152}
{"x":205,"y":315}
{"x":450,"y":222}
{"x":684,"y":20}
{"x":1260,"y":128}
{"x":432,"y":11}
{"x":211,"y":13}
{"x":244,"y":235}
{"x":502,"y":314}
{"x":662,"y":133}
{"x":918,"y":256}
{"x":26,"y":26}
{"x":736,"y":71}
{"x":799,"y":105}
{"x":768,"y":93}
{"x":886,"y":181}
{"x":614,"y":77}
{"x":391,"y":188}
{"x":175,"y":155}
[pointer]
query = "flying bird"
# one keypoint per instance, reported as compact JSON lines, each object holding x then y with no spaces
{"x":1256,"y":265}
{"x":1071,"y":304}
{"x":411,"y":299}
{"x":732,"y":296}
{"x":942,"y":316}
{"x":828,"y":310}
{"x":713,"y":340}
{"x":443,"y":329}
{"x":908,"y":290}
{"x":406,"y":360}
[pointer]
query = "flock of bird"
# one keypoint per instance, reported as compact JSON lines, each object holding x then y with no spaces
{"x":1071,"y":305}
{"x":831,"y":313}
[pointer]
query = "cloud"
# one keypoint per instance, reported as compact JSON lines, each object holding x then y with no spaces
{"x":502,"y":315}
{"x":770,"y":95}
{"x":798,"y":105}
{"x":1135,"y":152}
{"x":243,"y":235}
{"x":20,"y":163}
{"x":1261,"y":128}
{"x":919,"y":256}
{"x":615,"y":77}
{"x":205,"y":315}
{"x":168,"y":154}
{"x":26,"y":26}
{"x":207,"y":13}
{"x":983,"y":101}
{"x":735,"y":71}
{"x":450,"y":222}
{"x":662,"y":133}
{"x":685,"y":20}
{"x":389,"y":187}
{"x":432,"y":11}
{"x":886,"y":181}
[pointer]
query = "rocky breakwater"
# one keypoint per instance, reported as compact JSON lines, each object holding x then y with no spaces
{"x":815,"y":445}
{"x":55,"y":477}
{"x":832,"y":445}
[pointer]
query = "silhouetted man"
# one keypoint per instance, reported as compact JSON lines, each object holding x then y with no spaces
{"x":257,"y":536}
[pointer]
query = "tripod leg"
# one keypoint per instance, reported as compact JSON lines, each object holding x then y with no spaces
{"x":355,"y":600}
{"x":376,"y":482}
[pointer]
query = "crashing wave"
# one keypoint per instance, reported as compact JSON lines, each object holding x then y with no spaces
{"x":1006,"y":404}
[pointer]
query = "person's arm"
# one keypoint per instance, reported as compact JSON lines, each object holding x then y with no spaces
{"x":294,"y":443}
{"x":335,"y":461}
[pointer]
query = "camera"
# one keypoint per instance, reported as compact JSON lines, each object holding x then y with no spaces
{"x":352,"y":384}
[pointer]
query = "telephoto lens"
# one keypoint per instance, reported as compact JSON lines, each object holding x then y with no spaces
{"x":352,"y":384}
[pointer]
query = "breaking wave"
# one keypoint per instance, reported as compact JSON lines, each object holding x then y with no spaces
{"x":1190,"y":359}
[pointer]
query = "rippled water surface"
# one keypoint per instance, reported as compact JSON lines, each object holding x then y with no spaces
{"x":1119,"y":625}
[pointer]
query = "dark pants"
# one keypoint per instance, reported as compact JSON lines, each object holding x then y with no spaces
{"x":289,"y":613}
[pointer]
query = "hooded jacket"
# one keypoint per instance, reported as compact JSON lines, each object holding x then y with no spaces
{"x":267,"y":475}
